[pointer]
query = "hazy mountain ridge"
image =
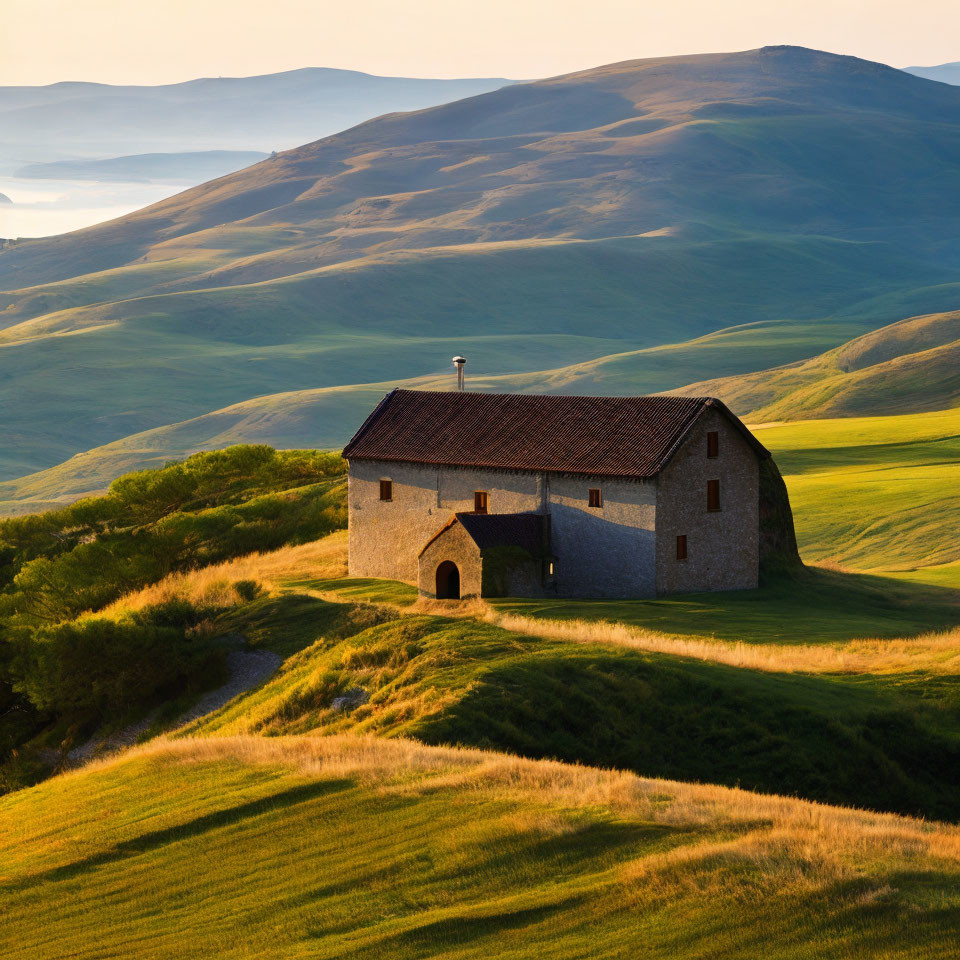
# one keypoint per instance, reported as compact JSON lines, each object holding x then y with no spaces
{"x":171,"y":167}
{"x":273,"y":111}
{"x":942,"y":72}
{"x":531,"y":228}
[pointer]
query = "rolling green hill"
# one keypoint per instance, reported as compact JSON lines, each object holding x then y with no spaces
{"x":861,"y":740}
{"x":909,"y":366}
{"x":328,"y":416}
{"x":537,"y":226}
{"x":326,"y":847}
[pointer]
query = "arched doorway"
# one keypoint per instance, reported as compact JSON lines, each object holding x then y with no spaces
{"x":448,"y":581}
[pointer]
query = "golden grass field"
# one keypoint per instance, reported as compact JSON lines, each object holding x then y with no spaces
{"x":329,"y":846}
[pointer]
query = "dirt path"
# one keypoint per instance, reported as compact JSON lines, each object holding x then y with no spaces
{"x":247,"y":668}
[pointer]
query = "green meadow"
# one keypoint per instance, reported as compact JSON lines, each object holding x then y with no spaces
{"x":874,"y":493}
{"x":326,"y":847}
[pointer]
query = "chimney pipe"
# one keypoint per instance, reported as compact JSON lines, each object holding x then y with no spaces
{"x":458,"y":362}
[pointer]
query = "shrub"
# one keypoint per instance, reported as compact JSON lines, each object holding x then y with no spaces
{"x":102,"y":668}
{"x":247,"y":590}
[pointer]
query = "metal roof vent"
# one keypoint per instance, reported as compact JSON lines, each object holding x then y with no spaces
{"x":458,"y":362}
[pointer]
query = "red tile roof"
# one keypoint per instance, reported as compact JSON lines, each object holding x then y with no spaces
{"x":595,"y":436}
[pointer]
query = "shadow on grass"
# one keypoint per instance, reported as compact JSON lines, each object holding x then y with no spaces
{"x":817,"y":605}
{"x":290,"y":622}
{"x":368,"y":589}
{"x":155,"y":839}
{"x":425,"y":939}
{"x":853,"y":741}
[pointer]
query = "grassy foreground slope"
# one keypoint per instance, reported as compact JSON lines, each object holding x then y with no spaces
{"x":300,"y":847}
{"x":906,"y":367}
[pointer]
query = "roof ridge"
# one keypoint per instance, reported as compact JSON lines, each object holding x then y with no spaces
{"x":631,"y":437}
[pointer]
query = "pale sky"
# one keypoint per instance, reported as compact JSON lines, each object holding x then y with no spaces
{"x":165,"y":41}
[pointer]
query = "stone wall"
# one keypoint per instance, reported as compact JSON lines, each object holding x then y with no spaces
{"x":607,"y":551}
{"x":385,"y":538}
{"x":454,"y":544}
{"x":722,"y":546}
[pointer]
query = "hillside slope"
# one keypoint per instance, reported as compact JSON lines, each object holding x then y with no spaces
{"x":337,"y":846}
{"x":909,"y":366}
{"x":622,"y":208}
{"x":442,"y":680}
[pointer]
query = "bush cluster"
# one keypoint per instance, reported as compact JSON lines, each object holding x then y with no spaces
{"x":62,"y":663}
{"x":97,"y":667}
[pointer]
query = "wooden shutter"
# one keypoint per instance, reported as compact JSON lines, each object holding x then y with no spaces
{"x":386,"y":489}
{"x":480,"y":500}
{"x":595,"y":498}
{"x":713,"y":494}
{"x":713,"y":444}
{"x":682,"y":547}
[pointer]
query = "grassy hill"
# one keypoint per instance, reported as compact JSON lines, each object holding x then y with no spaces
{"x":317,"y":847}
{"x":921,"y":378}
{"x":620,"y":209}
{"x":909,"y":366}
{"x":864,"y":739}
{"x":328,"y":416}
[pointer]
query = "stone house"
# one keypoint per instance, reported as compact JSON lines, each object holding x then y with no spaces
{"x":481,"y":494}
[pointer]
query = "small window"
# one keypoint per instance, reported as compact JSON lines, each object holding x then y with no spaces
{"x":386,"y":489}
{"x":551,"y":568}
{"x":480,"y":501}
{"x":595,"y":498}
{"x":682,"y":547}
{"x":713,"y":494}
{"x":713,"y":444}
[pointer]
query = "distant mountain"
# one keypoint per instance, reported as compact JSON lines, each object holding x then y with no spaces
{"x":944,"y":72}
{"x":264,"y":113}
{"x":589,"y":224}
{"x":907,"y":367}
{"x":166,"y":167}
